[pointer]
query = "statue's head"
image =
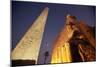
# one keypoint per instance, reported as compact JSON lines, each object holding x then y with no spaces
{"x":70,"y":18}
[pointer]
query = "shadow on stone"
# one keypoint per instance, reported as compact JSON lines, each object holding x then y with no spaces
{"x":22,"y":62}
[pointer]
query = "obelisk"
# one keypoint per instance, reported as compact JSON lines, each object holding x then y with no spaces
{"x":29,"y":46}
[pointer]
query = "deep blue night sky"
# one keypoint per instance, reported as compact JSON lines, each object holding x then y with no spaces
{"x":24,"y":13}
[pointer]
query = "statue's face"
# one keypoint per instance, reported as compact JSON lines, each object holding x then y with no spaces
{"x":71,"y":20}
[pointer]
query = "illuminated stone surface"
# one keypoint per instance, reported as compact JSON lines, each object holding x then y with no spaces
{"x":61,"y":52}
{"x":29,"y":46}
{"x":75,"y":43}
